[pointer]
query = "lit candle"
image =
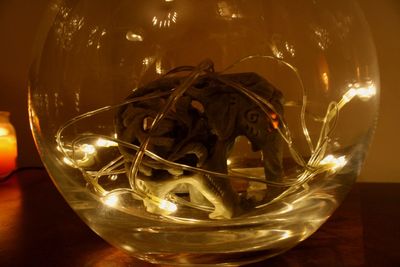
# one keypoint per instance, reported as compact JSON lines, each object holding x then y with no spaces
{"x":8,"y":145}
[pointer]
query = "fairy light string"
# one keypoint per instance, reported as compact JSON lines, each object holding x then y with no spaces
{"x":318,"y":162}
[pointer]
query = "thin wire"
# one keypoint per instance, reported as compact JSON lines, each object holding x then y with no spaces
{"x":262,"y":103}
{"x":183,"y":166}
{"x":299,"y":79}
{"x":173,"y":97}
{"x":311,"y":167}
{"x":98,"y":111}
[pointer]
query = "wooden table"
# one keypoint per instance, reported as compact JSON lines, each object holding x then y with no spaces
{"x":38,"y":228}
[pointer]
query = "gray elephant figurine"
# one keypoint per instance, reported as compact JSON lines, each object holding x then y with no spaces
{"x":200,"y":131}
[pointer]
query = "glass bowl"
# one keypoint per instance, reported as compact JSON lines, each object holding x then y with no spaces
{"x":204,"y":132}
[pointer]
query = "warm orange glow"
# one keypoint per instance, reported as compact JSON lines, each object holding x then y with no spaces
{"x":3,"y":132}
{"x":8,"y":153}
{"x":275,"y":124}
{"x":274,"y":121}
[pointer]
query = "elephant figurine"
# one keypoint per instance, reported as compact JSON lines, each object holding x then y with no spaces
{"x":200,"y":131}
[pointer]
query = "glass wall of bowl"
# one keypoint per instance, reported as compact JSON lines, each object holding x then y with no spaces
{"x":204,"y":132}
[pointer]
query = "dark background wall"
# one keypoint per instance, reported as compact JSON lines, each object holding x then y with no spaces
{"x":19,"y":20}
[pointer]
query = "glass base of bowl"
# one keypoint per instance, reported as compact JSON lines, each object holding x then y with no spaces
{"x":210,"y":259}
{"x":280,"y":227}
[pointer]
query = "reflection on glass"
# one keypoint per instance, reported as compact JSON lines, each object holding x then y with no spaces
{"x":133,"y":37}
{"x":228,"y":11}
{"x":165,"y":21}
{"x":217,"y":117}
{"x":321,"y":37}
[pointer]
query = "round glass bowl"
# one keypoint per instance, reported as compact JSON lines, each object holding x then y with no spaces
{"x":204,"y":132}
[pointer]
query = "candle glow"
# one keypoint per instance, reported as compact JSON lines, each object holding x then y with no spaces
{"x":8,"y":151}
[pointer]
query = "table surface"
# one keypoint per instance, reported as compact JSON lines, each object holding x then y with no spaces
{"x":38,"y":228}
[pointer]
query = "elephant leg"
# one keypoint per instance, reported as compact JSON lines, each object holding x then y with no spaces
{"x":272,"y":156}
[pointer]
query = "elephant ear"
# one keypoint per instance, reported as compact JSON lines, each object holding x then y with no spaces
{"x":222,"y":115}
